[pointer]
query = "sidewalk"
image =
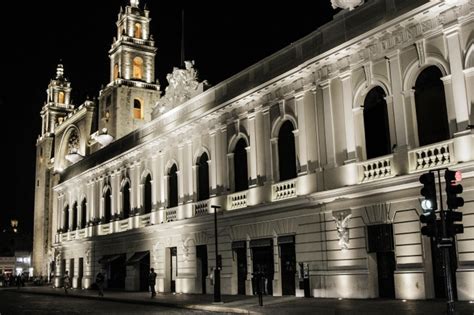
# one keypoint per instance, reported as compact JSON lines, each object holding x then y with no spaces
{"x":238,"y":304}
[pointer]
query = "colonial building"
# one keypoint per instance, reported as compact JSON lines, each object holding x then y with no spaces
{"x":313,"y":155}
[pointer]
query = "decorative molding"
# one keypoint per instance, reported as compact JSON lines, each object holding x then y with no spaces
{"x":377,"y":214}
{"x":342,"y":219}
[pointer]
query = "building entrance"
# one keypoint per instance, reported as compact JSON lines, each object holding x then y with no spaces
{"x":262,"y":256}
{"x":240,"y":255}
{"x":380,"y":239}
{"x":288,"y":264}
{"x":201,"y":267}
{"x":173,"y":268}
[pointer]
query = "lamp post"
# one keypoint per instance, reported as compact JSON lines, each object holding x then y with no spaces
{"x":217,"y":270}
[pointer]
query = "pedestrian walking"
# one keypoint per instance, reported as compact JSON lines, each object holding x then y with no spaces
{"x":152,"y":282}
{"x":99,"y":280}
{"x":67,"y":282}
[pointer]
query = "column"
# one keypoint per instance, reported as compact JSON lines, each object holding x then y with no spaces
{"x":399,"y":106}
{"x":275,"y":170}
{"x":260,"y":145}
{"x":187,"y":175}
{"x":116,"y":193}
{"x":161,"y":184}
{"x":231,"y":177}
{"x":252,"y":153}
{"x":347,"y":98}
{"x":213,"y":143}
{"x":266,"y":143}
{"x":301,"y":134}
{"x":458,"y":83}
{"x":221,"y":163}
{"x":410,"y":116}
{"x":180,"y":173}
{"x":329,"y":123}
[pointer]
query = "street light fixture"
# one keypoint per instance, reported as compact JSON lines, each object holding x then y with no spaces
{"x":217,"y":270}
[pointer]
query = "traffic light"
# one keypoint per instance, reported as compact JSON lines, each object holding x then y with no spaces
{"x":430,"y":220}
{"x":453,"y":189}
{"x":428,"y":191}
{"x":451,"y":228}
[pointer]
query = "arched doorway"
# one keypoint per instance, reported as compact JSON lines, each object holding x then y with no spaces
{"x":126,"y":200}
{"x":240,"y":166}
{"x":173,"y":187}
{"x":203,"y":177}
{"x":147,"y":194}
{"x":286,"y":152}
{"x":376,"y":127}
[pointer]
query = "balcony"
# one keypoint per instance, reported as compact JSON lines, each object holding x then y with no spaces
{"x":104,"y":229}
{"x":201,"y":208}
{"x":284,"y":190}
{"x":144,"y":220}
{"x":432,"y":156}
{"x":171,"y":214}
{"x":237,"y":200}
{"x":374,"y":169}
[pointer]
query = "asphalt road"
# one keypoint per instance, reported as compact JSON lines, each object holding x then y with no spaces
{"x":13,"y":303}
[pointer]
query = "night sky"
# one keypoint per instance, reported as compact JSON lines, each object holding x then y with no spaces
{"x":222,"y":39}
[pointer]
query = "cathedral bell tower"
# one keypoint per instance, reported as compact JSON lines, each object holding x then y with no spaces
{"x":57,"y":106}
{"x":127,"y":101}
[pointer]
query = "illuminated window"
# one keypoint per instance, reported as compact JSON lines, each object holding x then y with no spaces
{"x":138,"y":30}
{"x":137,"y":68}
{"x":137,"y":109}
{"x":116,"y":71}
{"x":61,"y":97}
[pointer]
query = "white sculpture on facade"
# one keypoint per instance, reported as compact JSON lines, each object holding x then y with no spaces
{"x":346,"y":4}
{"x":134,"y":3}
{"x":342,"y":223}
{"x":183,"y":84}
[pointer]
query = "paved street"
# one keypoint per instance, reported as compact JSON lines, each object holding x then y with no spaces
{"x":46,"y":300}
{"x":13,"y":303}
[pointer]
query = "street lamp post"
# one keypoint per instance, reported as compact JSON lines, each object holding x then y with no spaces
{"x":217,"y":270}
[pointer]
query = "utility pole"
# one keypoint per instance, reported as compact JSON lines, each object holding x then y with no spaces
{"x":217,"y":270}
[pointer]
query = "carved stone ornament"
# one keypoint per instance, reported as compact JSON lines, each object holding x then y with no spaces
{"x":182,"y":85}
{"x":342,"y":219}
{"x":346,"y":4}
{"x":88,"y":256}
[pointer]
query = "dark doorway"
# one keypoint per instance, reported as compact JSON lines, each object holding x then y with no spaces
{"x":431,"y":112}
{"x":380,"y":241}
{"x":286,"y":152}
{"x":71,"y":270}
{"x":116,"y":272}
{"x":107,"y":206}
{"x":147,"y":194}
{"x":262,"y":254}
{"x":288,"y":267}
{"x":201,"y":255}
{"x":385,"y":269}
{"x":438,"y":270}
{"x":80,"y":272}
{"x":173,"y":187}
{"x":377,"y":131}
{"x":240,"y":166}
{"x":144,"y":270}
{"x":66,"y":219}
{"x":203,"y":177}
{"x":240,"y":253}
{"x":74,"y":217}
{"x":83,"y":213}
{"x":173,"y":268}
{"x":126,"y":200}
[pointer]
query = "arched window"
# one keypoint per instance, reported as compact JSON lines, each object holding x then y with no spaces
{"x":173,"y":186}
{"x":137,"y":68}
{"x":116,"y":71}
{"x":107,"y":205}
{"x":147,"y":194}
{"x":137,"y":31}
{"x":126,"y":200}
{"x":137,"y":109}
{"x":203,"y":177}
{"x":431,"y":113}
{"x":84,"y":213}
{"x":286,"y":152}
{"x":377,"y":131}
{"x":74,"y":217}
{"x":240,"y":166}
{"x":61,"y":97}
{"x":66,"y":218}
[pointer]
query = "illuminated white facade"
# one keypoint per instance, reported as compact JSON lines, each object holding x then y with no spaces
{"x":142,"y":194}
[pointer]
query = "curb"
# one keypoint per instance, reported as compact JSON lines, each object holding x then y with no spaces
{"x":201,"y":307}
